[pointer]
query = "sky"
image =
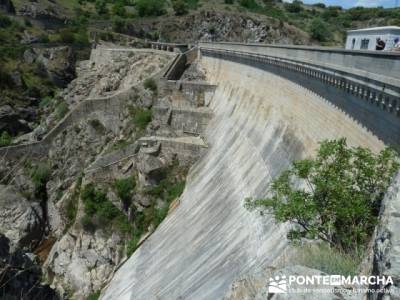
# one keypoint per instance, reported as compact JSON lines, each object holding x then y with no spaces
{"x":351,"y":3}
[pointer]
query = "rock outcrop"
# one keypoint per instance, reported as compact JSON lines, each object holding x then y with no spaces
{"x":20,"y":220}
{"x":21,"y":276}
{"x":83,"y":261}
{"x":208,"y":25}
{"x":58,"y":63}
{"x":386,"y":249}
{"x":15,"y":121}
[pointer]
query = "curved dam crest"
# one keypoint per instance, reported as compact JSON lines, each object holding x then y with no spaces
{"x":262,"y":122}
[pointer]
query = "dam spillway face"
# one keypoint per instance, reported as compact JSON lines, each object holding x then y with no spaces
{"x":261,"y":122}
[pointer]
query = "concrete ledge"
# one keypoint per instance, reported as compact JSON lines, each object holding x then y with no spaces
{"x":383,"y":65}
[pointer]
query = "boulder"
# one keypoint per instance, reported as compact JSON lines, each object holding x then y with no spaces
{"x":21,"y":275}
{"x":11,"y":121}
{"x":20,"y":220}
{"x":83,"y":262}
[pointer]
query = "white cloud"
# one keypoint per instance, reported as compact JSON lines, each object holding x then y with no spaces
{"x":373,"y":3}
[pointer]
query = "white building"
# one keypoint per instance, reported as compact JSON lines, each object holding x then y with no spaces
{"x":365,"y":39}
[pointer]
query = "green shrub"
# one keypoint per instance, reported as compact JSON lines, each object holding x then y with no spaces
{"x":319,"y":30}
{"x":99,"y":211}
{"x":97,"y":125}
{"x":148,"y":8}
{"x":250,"y":4}
{"x":118,"y":9}
{"x":228,"y":1}
{"x":40,"y":175}
{"x":341,"y":198}
{"x":119,"y":24}
{"x":66,"y":36}
{"x":46,"y":101}
{"x":142,"y":117}
{"x":101,"y":7}
{"x":327,"y":259}
{"x":150,"y":84}
{"x":5,"y":139}
{"x":4,"y":21}
{"x":180,"y":7}
{"x":133,"y":243}
{"x":71,"y":208}
{"x":94,"y":296}
{"x":61,"y":110}
{"x":124,"y":188}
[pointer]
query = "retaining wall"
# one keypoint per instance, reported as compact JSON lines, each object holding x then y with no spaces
{"x":110,"y":106}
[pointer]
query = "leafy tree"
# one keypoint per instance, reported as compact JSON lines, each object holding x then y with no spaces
{"x":147,"y":8}
{"x":335,"y":197}
{"x":119,"y":9}
{"x":320,"y":5}
{"x":101,"y":7}
{"x":294,"y":7}
{"x":228,"y":1}
{"x":119,"y":24}
{"x":319,"y":30}
{"x":180,"y":7}
{"x":249,"y":4}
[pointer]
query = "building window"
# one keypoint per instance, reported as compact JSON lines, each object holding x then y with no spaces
{"x":364,"y":44}
{"x":353,"y":43}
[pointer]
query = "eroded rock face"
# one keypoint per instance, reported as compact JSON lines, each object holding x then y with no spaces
{"x":386,"y":248}
{"x":21,"y":275}
{"x":210,"y":25}
{"x":7,"y":6}
{"x":11,"y":121}
{"x":83,"y":261}
{"x":58,"y":63}
{"x":20,"y":219}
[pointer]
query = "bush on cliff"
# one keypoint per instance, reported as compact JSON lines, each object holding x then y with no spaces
{"x":5,"y":139}
{"x":124,"y":188}
{"x":180,"y":7}
{"x":319,"y":30}
{"x":335,"y":197}
{"x":141,"y":117}
{"x":150,"y":84}
{"x":147,"y":8}
{"x":40,"y":175}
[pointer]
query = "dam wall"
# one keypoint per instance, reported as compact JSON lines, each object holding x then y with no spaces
{"x":373,"y":104}
{"x":261,"y":123}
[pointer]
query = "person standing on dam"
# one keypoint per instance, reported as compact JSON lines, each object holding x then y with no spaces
{"x":380,"y":44}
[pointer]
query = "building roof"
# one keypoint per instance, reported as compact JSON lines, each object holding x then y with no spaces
{"x":382,"y":29}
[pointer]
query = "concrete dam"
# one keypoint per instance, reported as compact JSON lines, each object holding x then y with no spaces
{"x":272,"y":105}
